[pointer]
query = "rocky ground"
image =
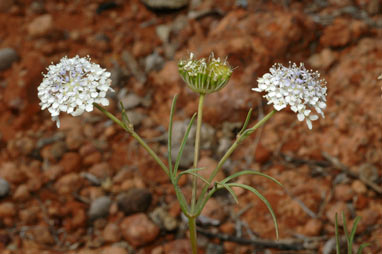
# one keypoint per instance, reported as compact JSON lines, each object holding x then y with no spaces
{"x":89,"y":188}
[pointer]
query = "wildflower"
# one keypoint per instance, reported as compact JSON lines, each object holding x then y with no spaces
{"x":72,"y":86}
{"x":297,"y":87}
{"x":205,"y":76}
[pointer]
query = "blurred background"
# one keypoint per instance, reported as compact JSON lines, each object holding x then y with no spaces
{"x":89,"y":188}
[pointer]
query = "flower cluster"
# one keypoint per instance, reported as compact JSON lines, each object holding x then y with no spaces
{"x":72,"y":86}
{"x":297,"y":87}
{"x":205,"y":76}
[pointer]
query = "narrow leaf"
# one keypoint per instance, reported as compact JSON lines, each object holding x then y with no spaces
{"x":229,"y":189}
{"x":362,"y":247}
{"x":345,"y":228}
{"x":353,"y":230}
{"x":125,"y":118}
{"x":337,"y":235}
{"x":249,"y":172}
{"x":170,"y":135}
{"x":184,"y":140}
{"x":182,"y":200}
{"x":246,"y":122}
{"x":260,"y":196}
{"x":191,"y":171}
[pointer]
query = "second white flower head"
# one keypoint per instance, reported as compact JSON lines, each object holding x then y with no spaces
{"x":297,"y":87}
{"x":72,"y":86}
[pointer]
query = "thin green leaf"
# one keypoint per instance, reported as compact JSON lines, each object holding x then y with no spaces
{"x":364,"y":245}
{"x":260,"y":196}
{"x":353,"y":230}
{"x":246,"y":122}
{"x":125,"y":118}
{"x":193,"y":172}
{"x":182,"y":200}
{"x":229,"y":189}
{"x":184,"y":140}
{"x":345,"y":228}
{"x":170,"y":135}
{"x":337,"y":235}
{"x":249,"y":172}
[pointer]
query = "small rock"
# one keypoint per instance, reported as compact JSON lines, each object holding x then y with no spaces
{"x":42,"y":235}
{"x":162,"y":218}
{"x":214,"y":210}
{"x":29,"y":215}
{"x":7,"y":209}
{"x":135,"y":200}
{"x":100,"y":170}
{"x":312,"y":228}
{"x":163,"y":32}
{"x":178,"y":246}
{"x":71,"y":162}
{"x":114,"y":250}
{"x":112,"y":233}
{"x":68,"y":183}
{"x":22,"y":193}
{"x":165,"y":4}
{"x":324,"y":59}
{"x":41,"y":26}
{"x":262,"y":154}
{"x":135,"y":117}
{"x":187,"y":155}
{"x":4,"y":188}
{"x":153,"y":62}
{"x":343,"y":192}
{"x":359,"y":187}
{"x":138,"y":230}
{"x":131,"y":101}
{"x":12,"y":173}
{"x":99,"y":207}
{"x":7,"y":57}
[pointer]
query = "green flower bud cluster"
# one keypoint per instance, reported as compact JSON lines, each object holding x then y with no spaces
{"x":205,"y":76}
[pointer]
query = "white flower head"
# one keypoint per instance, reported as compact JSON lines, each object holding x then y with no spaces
{"x":72,"y":86}
{"x":301,"y":89}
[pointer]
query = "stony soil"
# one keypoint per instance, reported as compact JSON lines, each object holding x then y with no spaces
{"x":89,"y":188}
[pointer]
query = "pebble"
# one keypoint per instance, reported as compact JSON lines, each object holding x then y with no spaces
{"x":138,"y":230}
{"x":178,"y":246}
{"x":312,"y":228}
{"x":112,"y":233}
{"x":135,"y":200}
{"x":214,"y":210}
{"x":165,"y":4}
{"x":131,"y":101}
{"x":7,"y":209}
{"x":4,"y":188}
{"x":71,"y":162}
{"x":7,"y":57}
{"x":99,"y":207}
{"x":21,"y":193}
{"x":343,"y":192}
{"x":41,"y":234}
{"x":12,"y":173}
{"x":161,"y":217}
{"x":114,"y":250}
{"x":41,"y":25}
{"x":100,"y":170}
{"x":359,"y":187}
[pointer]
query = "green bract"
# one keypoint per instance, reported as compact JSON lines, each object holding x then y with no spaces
{"x":205,"y":76}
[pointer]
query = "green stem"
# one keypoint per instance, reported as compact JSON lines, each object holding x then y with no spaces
{"x":130,"y":130}
{"x":233,"y":147}
{"x":197,"y":148}
{"x":192,"y":228}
